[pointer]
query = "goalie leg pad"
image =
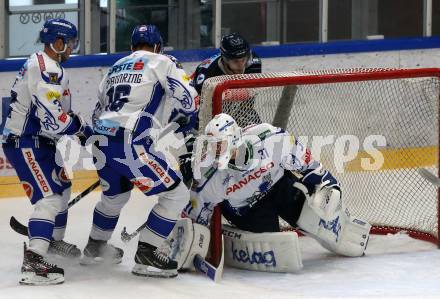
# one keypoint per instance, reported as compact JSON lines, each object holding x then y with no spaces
{"x":268,"y":252}
{"x":185,"y":241}
{"x":344,"y":235}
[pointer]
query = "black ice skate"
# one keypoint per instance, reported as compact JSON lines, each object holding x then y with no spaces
{"x":36,"y":271}
{"x":152,"y":262}
{"x":64,"y":249}
{"x":99,"y":252}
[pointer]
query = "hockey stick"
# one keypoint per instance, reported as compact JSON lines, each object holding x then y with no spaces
{"x":284,"y":107}
{"x":126,"y":237}
{"x":23,"y":230}
{"x":429,"y":176}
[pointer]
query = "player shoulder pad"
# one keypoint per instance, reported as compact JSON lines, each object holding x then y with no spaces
{"x":261,"y":130}
{"x":51,"y":71}
{"x":174,"y":59}
{"x":208,"y":62}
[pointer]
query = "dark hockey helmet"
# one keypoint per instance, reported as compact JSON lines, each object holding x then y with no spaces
{"x":147,"y":34}
{"x":234,"y":46}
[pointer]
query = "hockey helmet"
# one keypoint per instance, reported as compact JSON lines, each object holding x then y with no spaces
{"x":223,"y":135}
{"x":234,"y":46}
{"x":147,"y":34}
{"x":59,"y":28}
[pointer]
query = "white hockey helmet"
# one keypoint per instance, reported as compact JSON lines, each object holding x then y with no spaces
{"x":223,"y":135}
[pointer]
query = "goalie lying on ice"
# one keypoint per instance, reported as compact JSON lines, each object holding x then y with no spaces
{"x":258,"y":174}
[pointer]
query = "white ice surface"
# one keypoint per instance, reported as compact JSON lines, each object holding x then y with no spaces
{"x":394,"y":267}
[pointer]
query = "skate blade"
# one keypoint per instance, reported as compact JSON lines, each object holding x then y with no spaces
{"x":150,"y":271}
{"x":64,"y":257}
{"x":30,"y":278}
{"x":86,"y":261}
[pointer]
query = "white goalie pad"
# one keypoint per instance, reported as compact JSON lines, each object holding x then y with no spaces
{"x":185,"y":241}
{"x":269,"y":252}
{"x":345,"y":234}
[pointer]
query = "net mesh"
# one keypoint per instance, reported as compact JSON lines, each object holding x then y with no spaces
{"x":341,"y":122}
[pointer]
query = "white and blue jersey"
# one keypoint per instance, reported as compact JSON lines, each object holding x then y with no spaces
{"x":138,"y":97}
{"x":38,"y":115}
{"x":141,"y":91}
{"x":269,"y":152}
{"x":40,"y":100}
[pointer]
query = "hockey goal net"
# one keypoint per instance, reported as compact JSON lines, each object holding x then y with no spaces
{"x":341,"y":115}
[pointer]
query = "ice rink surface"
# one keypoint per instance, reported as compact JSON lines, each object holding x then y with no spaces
{"x":394,"y":267}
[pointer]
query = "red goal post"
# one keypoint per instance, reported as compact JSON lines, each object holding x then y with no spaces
{"x":401,"y":105}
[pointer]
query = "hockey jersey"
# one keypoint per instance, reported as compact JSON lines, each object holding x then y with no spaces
{"x":210,"y":68}
{"x":141,"y":91}
{"x":40,"y":100}
{"x":269,"y":151}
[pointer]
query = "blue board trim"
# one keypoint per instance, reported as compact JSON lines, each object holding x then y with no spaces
{"x":286,"y":50}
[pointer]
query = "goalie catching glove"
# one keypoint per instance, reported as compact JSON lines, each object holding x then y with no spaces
{"x":324,"y":217}
{"x":323,"y":193}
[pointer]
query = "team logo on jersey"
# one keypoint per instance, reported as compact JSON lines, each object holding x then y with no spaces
{"x":144,"y":184}
{"x":53,"y":78}
{"x":266,"y":184}
{"x":48,"y":121}
{"x":62,"y":175}
{"x":28,"y":189}
{"x":227,"y":179}
{"x":180,"y":93}
{"x":200,"y":79}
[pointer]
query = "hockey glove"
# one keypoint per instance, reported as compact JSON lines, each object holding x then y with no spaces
{"x":187,"y":121}
{"x":84,"y":131}
{"x":186,"y":169}
{"x":323,"y":193}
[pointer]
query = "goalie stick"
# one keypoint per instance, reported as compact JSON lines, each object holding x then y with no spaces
{"x":429,"y":176}
{"x":23,"y":230}
{"x":203,"y":266}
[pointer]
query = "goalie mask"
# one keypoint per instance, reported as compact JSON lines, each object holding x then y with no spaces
{"x":222,"y":137}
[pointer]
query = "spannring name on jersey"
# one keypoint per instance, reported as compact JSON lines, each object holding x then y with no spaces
{"x":124,"y":78}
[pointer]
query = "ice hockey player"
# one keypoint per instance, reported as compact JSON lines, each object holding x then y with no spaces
{"x":235,"y":57}
{"x":140,"y":94}
{"x":40,"y":114}
{"x":261,"y":173}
